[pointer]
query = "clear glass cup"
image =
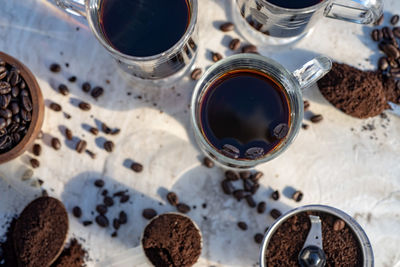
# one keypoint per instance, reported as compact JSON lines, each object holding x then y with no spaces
{"x":165,"y":67}
{"x":264,"y":23}
{"x":293,"y":83}
{"x":366,"y":248}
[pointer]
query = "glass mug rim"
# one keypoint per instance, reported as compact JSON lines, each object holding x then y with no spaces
{"x":297,"y":10}
{"x":294,"y":126}
{"x":179,"y":44}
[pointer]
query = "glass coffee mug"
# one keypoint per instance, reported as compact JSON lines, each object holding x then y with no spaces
{"x":263,"y":22}
{"x":167,"y":65}
{"x":247,"y":109}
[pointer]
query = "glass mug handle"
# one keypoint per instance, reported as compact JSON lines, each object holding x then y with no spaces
{"x":76,"y":7}
{"x":312,"y":71}
{"x":358,"y":11}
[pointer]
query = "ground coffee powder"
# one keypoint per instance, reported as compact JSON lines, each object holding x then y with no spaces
{"x":72,"y":256}
{"x":341,"y":247}
{"x":40,"y":232}
{"x":172,"y":240}
{"x":358,"y":93}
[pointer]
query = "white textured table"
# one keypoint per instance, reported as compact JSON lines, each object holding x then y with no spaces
{"x":330,"y":163}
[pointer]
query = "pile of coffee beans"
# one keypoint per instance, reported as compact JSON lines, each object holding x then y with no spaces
{"x":15,"y":107}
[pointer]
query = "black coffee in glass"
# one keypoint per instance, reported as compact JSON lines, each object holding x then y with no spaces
{"x":245,"y":114}
{"x":144,"y":28}
{"x":294,"y":4}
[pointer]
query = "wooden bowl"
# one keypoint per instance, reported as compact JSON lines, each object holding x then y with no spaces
{"x":37,"y":110}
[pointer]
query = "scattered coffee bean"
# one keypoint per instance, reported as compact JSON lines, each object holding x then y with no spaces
{"x":102,"y":221}
{"x":56,"y":107}
{"x":55,"y":143}
{"x":305,"y":126}
{"x":250,"y":49}
{"x":255,"y":177}
{"x":275,"y":213}
{"x":94,"y":131}
{"x":116,"y":224}
{"x":196,"y":74}
{"x":254,"y":153}
{"x":261,"y":207}
{"x":99,"y":183}
{"x":87,"y":223}
{"x":172,"y":198}
{"x":242,"y":225}
{"x":275,"y":195}
{"x":55,"y":68}
{"x":245,"y":175}
{"x":234,"y":44}
{"x":281,"y":130}
{"x":247,"y":185}
{"x":77,"y":212}
{"x":137,"y":167}
{"x":124,"y":198}
{"x":80,"y":146}
{"x":72,"y":79}
{"x":391,"y":51}
{"x":63,"y":89}
{"x":375,"y":35}
{"x":250,"y":201}
{"x":227,"y":187}
{"x":216,"y":56}
{"x":68,"y":134}
{"x":394,"y":20}
{"x":306,"y":104}
{"x":101,"y":209}
{"x":297,"y":196}
{"x":114,"y":234}
{"x":258,"y":238}
{"x":239,"y":194}
{"x":123,"y":218}
{"x":109,"y":146}
{"x":37,"y":150}
{"x":230,"y":151}
{"x":108,"y":201}
{"x":380,"y":20}
{"x":149,"y":214}
{"x":86,"y":87}
{"x":316,"y":118}
{"x":208,"y":162}
{"x":338,"y":225}
{"x":183,"y":208}
{"x":67,"y":116}
{"x":85,"y":106}
{"x":104,"y":193}
{"x":231,"y":175}
{"x":396,"y":32}
{"x":97,"y":92}
{"x":227,"y":26}
{"x":35,"y":163}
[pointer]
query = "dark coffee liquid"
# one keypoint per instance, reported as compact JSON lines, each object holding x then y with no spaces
{"x":144,"y":27}
{"x":295,"y":3}
{"x":242,"y":108}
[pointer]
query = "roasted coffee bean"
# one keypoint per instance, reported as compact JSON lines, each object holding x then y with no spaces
{"x":275,"y":195}
{"x":239,"y":194}
{"x":394,"y":19}
{"x":242,"y":225}
{"x":86,"y":87}
{"x":85,"y":106}
{"x":55,"y":67}
{"x":234,"y":44}
{"x":149,"y":214}
{"x":383,"y":63}
{"x":101,"y":209}
{"x":227,"y":26}
{"x":77,"y":212}
{"x":250,"y":201}
{"x":37,"y":150}
{"x":227,"y":187}
{"x":97,"y":92}
{"x":108,"y":201}
{"x":105,"y":128}
{"x":247,"y":185}
{"x":68,"y":134}
{"x":56,"y":107}
{"x":396,"y":32}
{"x":116,"y":224}
{"x":281,"y":130}
{"x":196,"y":74}
{"x":14,"y":108}
{"x":393,"y":63}
{"x":258,"y":238}
{"x":5,"y":142}
{"x":245,"y":175}
{"x":35,"y":163}
{"x":230,"y":151}
{"x":375,"y":35}
{"x":91,"y":154}
{"x":297,"y":196}
{"x":22,"y":84}
{"x":137,"y":167}
{"x":254,"y":153}
{"x":72,"y":79}
{"x":391,"y":51}
{"x":338,"y":225}
{"x":395,"y":73}
{"x":87,"y":223}
{"x":80,"y":146}
{"x":172,"y":198}
{"x":94,"y":131}
{"x":55,"y":143}
{"x":124,"y":198}
{"x":24,"y":93}
{"x":250,"y":49}
{"x":5,"y":88}
{"x":99,"y":183}
{"x":275,"y":213}
{"x":123,"y":218}
{"x":3,"y":72}
{"x":387,"y":33}
{"x":104,"y":192}
{"x":63,"y":89}
{"x":305,"y":126}
{"x":380,"y":20}
{"x":15,"y":92}
{"x":183,"y":208}
{"x":5,"y":101}
{"x":16,"y":137}
{"x":216,"y":56}
{"x":231,"y":175}
{"x":13,"y":77}
{"x":119,"y":194}
{"x":261,"y":207}
{"x":102,"y":221}
{"x":254,"y":188}
{"x":26,"y":115}
{"x":208,"y":162}
{"x":255,"y":177}
{"x":306,"y":104}
{"x":316,"y":118}
{"x":114,"y":234}
{"x":6,"y":113}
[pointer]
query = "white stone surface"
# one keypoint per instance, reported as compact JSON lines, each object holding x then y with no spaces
{"x":330,"y":163}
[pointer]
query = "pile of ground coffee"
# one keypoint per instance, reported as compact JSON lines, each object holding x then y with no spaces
{"x":172,"y":240}
{"x":72,"y":256}
{"x":40,"y":232}
{"x":341,"y":246}
{"x":358,"y":93}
